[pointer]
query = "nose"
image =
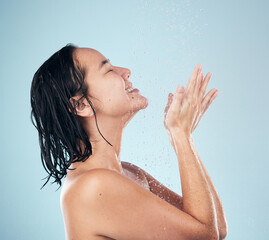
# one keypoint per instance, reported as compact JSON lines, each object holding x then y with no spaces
{"x":128,"y":73}
{"x":124,"y":72}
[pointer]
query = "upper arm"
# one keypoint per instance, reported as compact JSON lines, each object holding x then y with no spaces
{"x":159,"y":189}
{"x":163,"y":192}
{"x":120,"y":209}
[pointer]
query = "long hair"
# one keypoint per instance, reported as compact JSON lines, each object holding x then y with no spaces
{"x":60,"y":133}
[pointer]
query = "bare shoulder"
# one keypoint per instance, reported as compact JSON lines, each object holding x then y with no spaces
{"x":79,"y":189}
{"x":73,"y":190}
{"x":82,"y":184}
{"x":77,"y":203}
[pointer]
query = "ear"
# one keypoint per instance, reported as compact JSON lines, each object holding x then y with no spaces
{"x":82,"y":106}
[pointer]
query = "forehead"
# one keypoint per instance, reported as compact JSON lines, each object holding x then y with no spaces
{"x":89,"y":58}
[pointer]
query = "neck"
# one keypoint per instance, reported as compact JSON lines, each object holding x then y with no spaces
{"x":103,"y":154}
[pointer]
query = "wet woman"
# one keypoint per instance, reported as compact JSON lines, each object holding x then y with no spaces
{"x":81,"y":104}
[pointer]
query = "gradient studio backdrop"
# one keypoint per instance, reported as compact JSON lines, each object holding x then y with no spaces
{"x":160,"y":42}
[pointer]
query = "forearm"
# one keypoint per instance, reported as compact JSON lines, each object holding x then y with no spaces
{"x":197,"y":197}
{"x":222,"y":225}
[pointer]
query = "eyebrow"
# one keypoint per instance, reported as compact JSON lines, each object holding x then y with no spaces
{"x":103,"y":63}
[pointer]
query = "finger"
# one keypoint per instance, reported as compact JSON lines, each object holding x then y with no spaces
{"x":208,"y":99}
{"x":177,"y":98}
{"x":206,"y":105}
{"x":205,"y":84}
{"x":201,"y":79}
{"x":201,"y":83}
{"x":193,"y":78}
{"x":170,"y":99}
{"x":198,"y":84}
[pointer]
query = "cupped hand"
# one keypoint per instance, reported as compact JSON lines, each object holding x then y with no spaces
{"x":186,"y":107}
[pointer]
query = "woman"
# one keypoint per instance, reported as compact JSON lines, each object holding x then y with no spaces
{"x":77,"y":98}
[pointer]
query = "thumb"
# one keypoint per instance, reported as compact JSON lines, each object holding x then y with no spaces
{"x":177,"y":98}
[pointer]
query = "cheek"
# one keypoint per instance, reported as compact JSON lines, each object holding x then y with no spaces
{"x":116,"y":90}
{"x":115,"y":93}
{"x":112,"y":97}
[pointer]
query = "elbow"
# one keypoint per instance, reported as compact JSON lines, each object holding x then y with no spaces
{"x":213,"y":234}
{"x":216,"y":234}
{"x":223,"y":230}
{"x":223,"y":233}
{"x":210,"y":233}
{"x":222,"y":236}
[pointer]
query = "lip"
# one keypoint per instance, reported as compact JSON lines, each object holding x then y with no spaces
{"x":134,"y":91}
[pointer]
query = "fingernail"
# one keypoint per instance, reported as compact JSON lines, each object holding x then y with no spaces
{"x":180,"y":89}
{"x":196,"y":67}
{"x":216,"y":94}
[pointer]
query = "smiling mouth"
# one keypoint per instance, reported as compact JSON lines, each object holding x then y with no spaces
{"x":133,"y":91}
{"x":129,"y":89}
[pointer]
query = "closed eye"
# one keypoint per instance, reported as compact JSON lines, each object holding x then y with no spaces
{"x":110,"y":70}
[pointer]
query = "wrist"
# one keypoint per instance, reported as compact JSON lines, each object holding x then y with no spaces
{"x":179,"y":133}
{"x":181,"y":140}
{"x":181,"y":137}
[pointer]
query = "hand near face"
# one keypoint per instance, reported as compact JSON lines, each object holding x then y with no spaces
{"x":186,"y":107}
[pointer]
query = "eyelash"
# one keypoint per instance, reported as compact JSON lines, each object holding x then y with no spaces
{"x":110,"y":70}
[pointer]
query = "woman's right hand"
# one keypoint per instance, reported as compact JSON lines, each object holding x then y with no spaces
{"x":185,"y":108}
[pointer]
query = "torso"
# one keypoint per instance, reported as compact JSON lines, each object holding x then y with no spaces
{"x":129,"y":171}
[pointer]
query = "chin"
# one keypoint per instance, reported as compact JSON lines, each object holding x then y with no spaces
{"x":146,"y":103}
{"x":136,"y":108}
{"x":141,"y":103}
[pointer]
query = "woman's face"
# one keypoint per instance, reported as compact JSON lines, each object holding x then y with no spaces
{"x":107,"y":85}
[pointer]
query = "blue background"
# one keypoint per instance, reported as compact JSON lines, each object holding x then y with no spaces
{"x":160,"y":42}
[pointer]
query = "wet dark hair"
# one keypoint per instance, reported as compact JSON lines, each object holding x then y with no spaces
{"x":60,"y":133}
